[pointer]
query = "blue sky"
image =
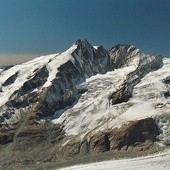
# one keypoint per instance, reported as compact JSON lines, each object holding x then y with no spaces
{"x":48,"y":26}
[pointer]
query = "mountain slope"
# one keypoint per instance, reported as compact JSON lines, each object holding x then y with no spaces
{"x":84,"y":100}
{"x":41,"y":74}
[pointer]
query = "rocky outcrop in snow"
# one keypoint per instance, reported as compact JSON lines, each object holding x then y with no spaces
{"x":141,"y":133}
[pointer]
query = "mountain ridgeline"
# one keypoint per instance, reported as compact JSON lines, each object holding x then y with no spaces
{"x":85,"y":100}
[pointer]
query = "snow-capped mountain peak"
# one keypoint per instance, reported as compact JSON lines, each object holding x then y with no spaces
{"x":86,"y":99}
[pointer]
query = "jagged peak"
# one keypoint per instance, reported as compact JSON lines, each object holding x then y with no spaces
{"x":124,"y":47}
{"x":82,"y":41}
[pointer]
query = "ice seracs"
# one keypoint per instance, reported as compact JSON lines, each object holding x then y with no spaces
{"x":93,"y":111}
{"x":94,"y":107}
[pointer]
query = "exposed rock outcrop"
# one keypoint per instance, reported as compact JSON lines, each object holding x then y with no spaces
{"x":137,"y":135}
{"x":134,"y":133}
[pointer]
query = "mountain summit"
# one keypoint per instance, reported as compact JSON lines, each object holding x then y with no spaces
{"x":85,"y":100}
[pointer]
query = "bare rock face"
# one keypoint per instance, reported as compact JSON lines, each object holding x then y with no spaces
{"x":123,"y":55}
{"x":134,"y":133}
{"x":100,"y":143}
{"x":131,"y":134}
{"x":127,"y":55}
{"x":6,"y":137}
{"x":139,"y":134}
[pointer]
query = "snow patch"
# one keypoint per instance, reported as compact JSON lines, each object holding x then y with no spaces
{"x":96,"y":47}
{"x":159,"y":161}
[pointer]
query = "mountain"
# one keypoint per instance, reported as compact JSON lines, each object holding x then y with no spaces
{"x":85,"y":100}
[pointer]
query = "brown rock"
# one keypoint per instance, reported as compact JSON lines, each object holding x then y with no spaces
{"x":84,"y":148}
{"x":6,"y":138}
{"x":134,"y":132}
{"x":100,"y":143}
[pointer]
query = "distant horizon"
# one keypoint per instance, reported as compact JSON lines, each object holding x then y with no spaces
{"x":11,"y":59}
{"x":24,"y":57}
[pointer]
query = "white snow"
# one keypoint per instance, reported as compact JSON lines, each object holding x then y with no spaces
{"x":26,"y":71}
{"x":96,"y":47}
{"x":164,"y":126}
{"x":93,"y":108}
{"x":57,"y":62}
{"x":159,"y":161}
{"x":93,"y":111}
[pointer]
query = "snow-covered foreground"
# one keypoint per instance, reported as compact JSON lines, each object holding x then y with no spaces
{"x":160,"y":161}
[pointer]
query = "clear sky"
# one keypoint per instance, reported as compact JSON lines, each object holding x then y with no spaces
{"x":49,"y":26}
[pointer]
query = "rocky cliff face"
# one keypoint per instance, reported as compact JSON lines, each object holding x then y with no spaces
{"x":84,"y":100}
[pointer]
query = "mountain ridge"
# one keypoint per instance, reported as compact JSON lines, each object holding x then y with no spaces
{"x":84,"y":100}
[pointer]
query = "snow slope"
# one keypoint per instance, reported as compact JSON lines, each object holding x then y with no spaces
{"x":93,"y":111}
{"x":27,"y":70}
{"x":93,"y":108}
{"x":159,"y":161}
